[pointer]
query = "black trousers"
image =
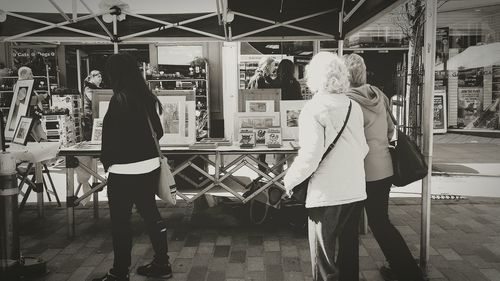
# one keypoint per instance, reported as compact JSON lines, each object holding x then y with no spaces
{"x":123,"y":192}
{"x":388,"y":237}
{"x":326,"y":226}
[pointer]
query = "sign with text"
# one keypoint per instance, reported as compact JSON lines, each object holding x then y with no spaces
{"x":440,"y":124}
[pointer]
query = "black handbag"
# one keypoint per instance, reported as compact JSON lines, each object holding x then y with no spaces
{"x":299,"y":192}
{"x":407,"y":161}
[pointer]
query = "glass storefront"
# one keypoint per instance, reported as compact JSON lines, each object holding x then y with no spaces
{"x":468,"y":65}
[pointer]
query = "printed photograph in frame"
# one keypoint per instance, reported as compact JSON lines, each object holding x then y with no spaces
{"x":173,"y":119}
{"x":259,"y":106}
{"x":290,"y":112}
{"x":255,"y":120}
{"x":23,"y":130}
{"x":19,"y":106}
{"x":245,"y":95}
{"x":97,"y":130}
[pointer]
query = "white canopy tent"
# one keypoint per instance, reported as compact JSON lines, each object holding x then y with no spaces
{"x":474,"y":57}
{"x":216,"y":20}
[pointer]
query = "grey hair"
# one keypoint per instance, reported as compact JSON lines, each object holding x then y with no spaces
{"x":326,"y":72}
{"x":25,"y":73}
{"x":265,"y":64}
{"x":357,"y":69}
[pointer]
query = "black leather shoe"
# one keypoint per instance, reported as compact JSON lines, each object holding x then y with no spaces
{"x":155,"y":270}
{"x":112,"y":277}
{"x":387,"y":274}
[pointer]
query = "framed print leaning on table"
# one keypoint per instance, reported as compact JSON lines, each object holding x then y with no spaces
{"x":290,"y":111}
{"x":19,"y":106}
{"x":255,"y":120}
{"x":23,"y":130}
{"x":173,"y":119}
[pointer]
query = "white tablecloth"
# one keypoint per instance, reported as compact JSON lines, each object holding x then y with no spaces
{"x":34,"y":151}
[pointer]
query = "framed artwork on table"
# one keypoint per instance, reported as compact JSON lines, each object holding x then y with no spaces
{"x":245,"y":95}
{"x":100,"y":102}
{"x":290,"y":111}
{"x":173,"y":120}
{"x":97,"y":131}
{"x":23,"y":130}
{"x":255,"y":120}
{"x":19,"y":106}
{"x":259,"y":106}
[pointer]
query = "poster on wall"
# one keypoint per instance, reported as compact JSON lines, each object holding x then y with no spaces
{"x":470,"y":104}
{"x":439,"y":123}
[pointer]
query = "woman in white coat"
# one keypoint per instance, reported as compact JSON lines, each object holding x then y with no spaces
{"x":337,"y":188}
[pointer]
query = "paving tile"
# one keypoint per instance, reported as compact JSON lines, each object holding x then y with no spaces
{"x":255,"y":264}
{"x":237,"y":257}
{"x":291,"y":264}
{"x":216,"y":276}
{"x":274,"y":273}
{"x":235,"y":270}
{"x":221,"y":251}
{"x":181,"y":265}
{"x":272,"y":258}
{"x":449,"y":254}
{"x":271,"y":246}
{"x":197,"y":273}
{"x":491,"y":274}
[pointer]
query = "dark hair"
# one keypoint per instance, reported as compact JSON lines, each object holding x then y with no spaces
{"x":127,"y":82}
{"x":286,"y":71}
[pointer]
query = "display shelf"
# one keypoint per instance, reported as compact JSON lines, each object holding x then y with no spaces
{"x":201,"y":86}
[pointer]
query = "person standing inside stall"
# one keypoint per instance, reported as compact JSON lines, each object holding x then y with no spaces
{"x":290,"y":87}
{"x":93,"y":81}
{"x":129,"y":155}
{"x":337,"y":189}
{"x":264,"y":78}
{"x":379,"y":130}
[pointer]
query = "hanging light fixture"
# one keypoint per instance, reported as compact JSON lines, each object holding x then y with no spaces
{"x":106,"y":5}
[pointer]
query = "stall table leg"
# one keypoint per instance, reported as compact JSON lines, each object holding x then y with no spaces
{"x":39,"y":188}
{"x":95,"y":181}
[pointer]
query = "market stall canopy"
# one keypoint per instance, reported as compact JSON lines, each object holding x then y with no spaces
{"x":216,"y":20}
{"x":474,"y":57}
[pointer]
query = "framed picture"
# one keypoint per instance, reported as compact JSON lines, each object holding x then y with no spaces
{"x":173,"y":119}
{"x":259,"y":106}
{"x":290,"y":111}
{"x":255,"y":120}
{"x":97,"y":130}
{"x":23,"y":130}
{"x":19,"y":106}
{"x":100,"y":97}
{"x":245,"y":95}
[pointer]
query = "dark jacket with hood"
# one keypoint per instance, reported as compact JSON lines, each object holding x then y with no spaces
{"x":379,"y":130}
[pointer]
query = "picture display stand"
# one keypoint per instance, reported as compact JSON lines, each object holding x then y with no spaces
{"x":178,"y":120}
{"x":19,"y":106}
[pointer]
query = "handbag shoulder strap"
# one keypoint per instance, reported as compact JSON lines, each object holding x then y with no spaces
{"x":332,"y":145}
{"x":387,"y":108}
{"x":153,"y":134}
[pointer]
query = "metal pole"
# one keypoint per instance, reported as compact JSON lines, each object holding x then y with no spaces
{"x":95,"y":194}
{"x":427,"y":126}
{"x":115,"y":32}
{"x":9,"y":227}
{"x":39,"y":191}
{"x":70,"y":190}
{"x":79,"y":70}
{"x":340,"y":50}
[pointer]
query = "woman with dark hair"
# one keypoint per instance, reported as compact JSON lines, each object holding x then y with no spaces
{"x":290,"y":87}
{"x":129,"y":155}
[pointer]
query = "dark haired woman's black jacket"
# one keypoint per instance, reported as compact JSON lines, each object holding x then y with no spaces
{"x":290,"y":90}
{"x":126,"y":137}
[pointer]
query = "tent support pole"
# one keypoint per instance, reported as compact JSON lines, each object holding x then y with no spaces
{"x":115,"y":32}
{"x":427,"y":126}
{"x":340,"y":50}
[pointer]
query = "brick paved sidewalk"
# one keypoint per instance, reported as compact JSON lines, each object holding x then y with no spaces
{"x":219,"y":243}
